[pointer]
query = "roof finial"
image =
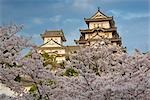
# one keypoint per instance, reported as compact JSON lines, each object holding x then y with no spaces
{"x":98,"y":8}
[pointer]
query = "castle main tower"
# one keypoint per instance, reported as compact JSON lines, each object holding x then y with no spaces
{"x":100,"y":27}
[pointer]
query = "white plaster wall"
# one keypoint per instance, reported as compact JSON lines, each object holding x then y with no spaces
{"x":114,"y":43}
{"x":60,"y":59}
{"x":88,"y":36}
{"x":105,"y":24}
{"x":109,"y":34}
{"x":59,"y":51}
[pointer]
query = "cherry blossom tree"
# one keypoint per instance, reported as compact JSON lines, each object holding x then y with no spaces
{"x":14,"y":68}
{"x":98,"y":72}
{"x":10,"y":47}
{"x":107,"y":73}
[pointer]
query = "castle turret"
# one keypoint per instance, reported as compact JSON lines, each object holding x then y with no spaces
{"x":53,"y":44}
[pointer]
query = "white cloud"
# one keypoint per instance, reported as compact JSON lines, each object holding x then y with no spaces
{"x":82,"y":4}
{"x":115,"y":12}
{"x":36,"y":36}
{"x":130,"y":15}
{"x":38,"y":20}
{"x":56,"y":18}
{"x":136,"y":15}
{"x":71,"y":20}
{"x":117,"y":1}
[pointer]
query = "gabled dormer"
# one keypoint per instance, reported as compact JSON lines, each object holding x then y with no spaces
{"x":99,"y":19}
{"x":53,"y":38}
{"x":98,"y":14}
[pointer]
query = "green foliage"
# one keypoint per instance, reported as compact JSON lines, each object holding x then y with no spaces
{"x":50,"y":82}
{"x":62,"y":65}
{"x":33,"y":89}
{"x":47,"y":82}
{"x":70,"y":72}
{"x":28,"y":54}
{"x":18,"y":78}
{"x":67,"y":58}
{"x":10,"y":65}
{"x":50,"y":59}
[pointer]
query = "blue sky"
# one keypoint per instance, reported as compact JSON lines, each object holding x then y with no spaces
{"x":132,"y":18}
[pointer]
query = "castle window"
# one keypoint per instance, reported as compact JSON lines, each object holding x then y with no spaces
{"x":102,"y":25}
{"x":89,"y":36}
{"x":94,"y":25}
{"x":75,"y":51}
{"x":56,"y":51}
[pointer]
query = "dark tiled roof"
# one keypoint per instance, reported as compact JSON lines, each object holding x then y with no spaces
{"x":80,"y":41}
{"x":97,"y":19}
{"x":50,"y":48}
{"x":71,"y":49}
{"x":85,"y":41}
{"x":54,"y":33}
{"x":97,"y":29}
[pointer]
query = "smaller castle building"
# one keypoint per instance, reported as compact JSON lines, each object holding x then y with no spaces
{"x":100,"y":27}
{"x":53,"y":44}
